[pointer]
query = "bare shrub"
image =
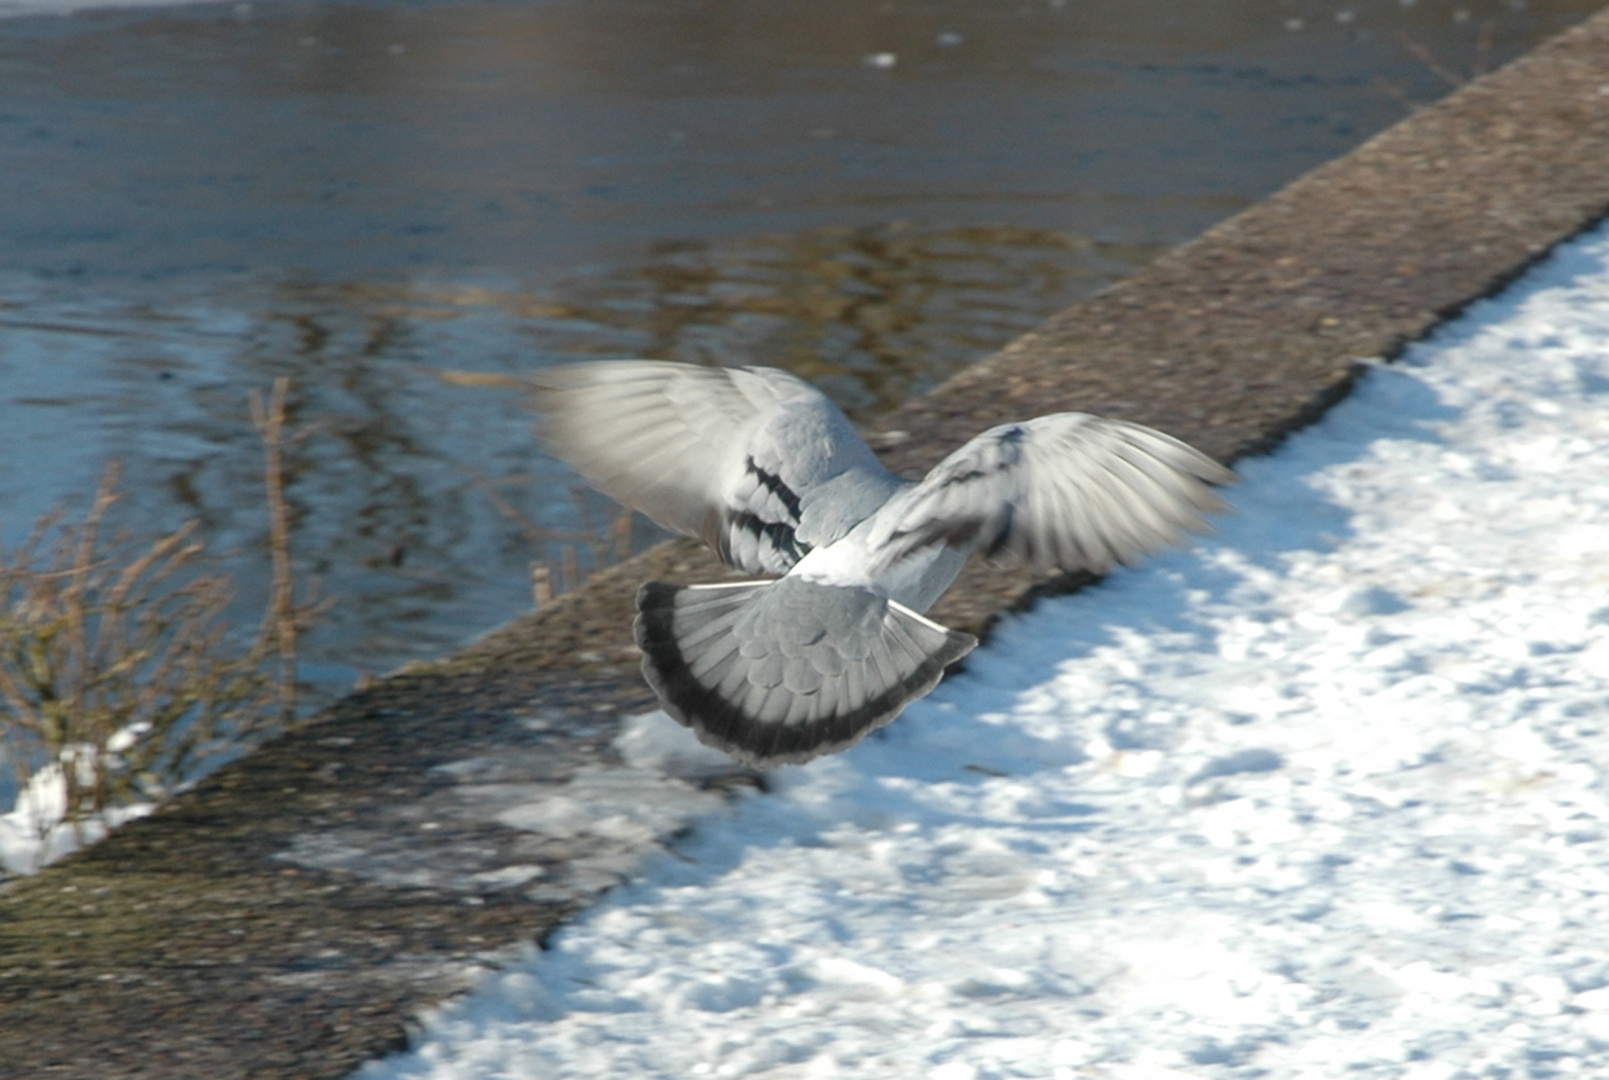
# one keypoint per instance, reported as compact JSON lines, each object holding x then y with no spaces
{"x":118,"y":669}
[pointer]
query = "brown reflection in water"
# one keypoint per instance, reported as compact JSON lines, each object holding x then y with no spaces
{"x":421,"y":504}
{"x":872,"y":315}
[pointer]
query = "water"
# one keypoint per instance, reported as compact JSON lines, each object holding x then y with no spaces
{"x":363,"y":195}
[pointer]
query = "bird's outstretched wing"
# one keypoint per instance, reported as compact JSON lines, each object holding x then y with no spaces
{"x":757,"y":463}
{"x":1068,"y":491}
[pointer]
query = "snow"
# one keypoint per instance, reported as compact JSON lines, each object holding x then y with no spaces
{"x":1323,"y":796}
{"x":35,"y":831}
{"x":655,"y":742}
{"x":575,"y":839}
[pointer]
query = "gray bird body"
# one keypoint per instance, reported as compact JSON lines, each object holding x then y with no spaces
{"x":772,"y":475}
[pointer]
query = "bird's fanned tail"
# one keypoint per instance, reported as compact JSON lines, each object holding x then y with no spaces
{"x":782,"y":671}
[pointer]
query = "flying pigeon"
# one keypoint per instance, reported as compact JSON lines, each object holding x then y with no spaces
{"x":767,"y":471}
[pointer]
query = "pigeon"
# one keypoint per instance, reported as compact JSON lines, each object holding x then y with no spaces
{"x":832,"y":641}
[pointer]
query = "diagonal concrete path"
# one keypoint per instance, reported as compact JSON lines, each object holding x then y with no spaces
{"x":286,"y":917}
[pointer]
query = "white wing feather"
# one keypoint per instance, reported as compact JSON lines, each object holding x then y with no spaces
{"x":757,"y":463}
{"x":1068,"y":491}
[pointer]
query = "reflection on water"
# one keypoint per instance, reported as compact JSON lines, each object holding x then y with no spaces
{"x":365,"y":194}
{"x":873,"y":315}
{"x":401,"y":483}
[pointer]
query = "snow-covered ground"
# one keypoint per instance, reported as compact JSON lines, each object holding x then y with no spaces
{"x":1325,"y":796}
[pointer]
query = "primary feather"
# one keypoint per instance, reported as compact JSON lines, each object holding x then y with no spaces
{"x":1064,"y":492}
{"x":770,"y":473}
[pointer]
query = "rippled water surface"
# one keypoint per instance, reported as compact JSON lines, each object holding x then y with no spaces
{"x":362,"y":196}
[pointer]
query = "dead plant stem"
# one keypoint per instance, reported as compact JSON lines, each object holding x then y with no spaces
{"x":282,"y":615}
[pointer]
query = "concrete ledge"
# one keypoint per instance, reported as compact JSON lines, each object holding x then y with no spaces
{"x":287,"y":917}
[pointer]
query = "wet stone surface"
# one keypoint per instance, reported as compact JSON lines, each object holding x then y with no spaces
{"x":287,"y":916}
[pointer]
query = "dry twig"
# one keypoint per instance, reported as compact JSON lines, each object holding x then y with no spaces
{"x":1425,"y":57}
{"x":607,"y":542}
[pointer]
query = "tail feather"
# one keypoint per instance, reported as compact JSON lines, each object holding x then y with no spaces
{"x":714,"y":664}
{"x":775,"y":672}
